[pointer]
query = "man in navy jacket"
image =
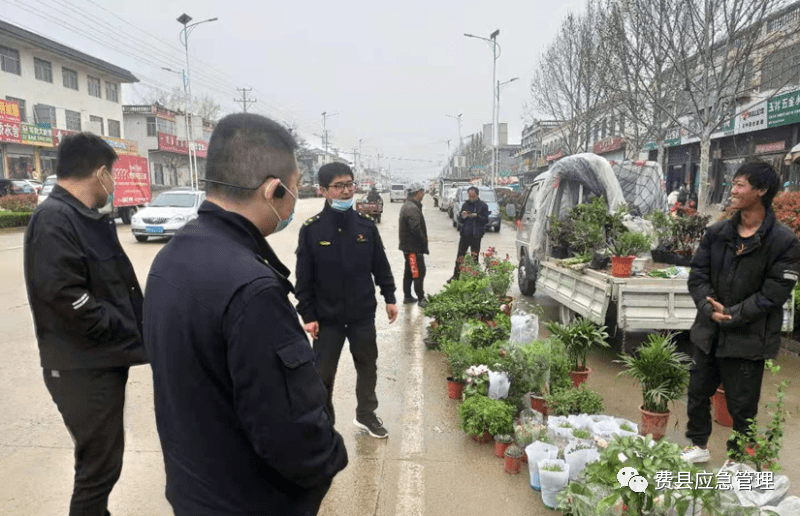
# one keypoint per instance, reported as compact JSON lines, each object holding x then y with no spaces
{"x":240,"y":407}
{"x":474,"y":215}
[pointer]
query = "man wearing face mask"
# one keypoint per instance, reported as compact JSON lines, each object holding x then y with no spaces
{"x":87,"y":314}
{"x":340,"y":258}
{"x":240,"y":408}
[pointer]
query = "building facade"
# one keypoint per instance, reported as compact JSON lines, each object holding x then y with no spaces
{"x":48,"y":90}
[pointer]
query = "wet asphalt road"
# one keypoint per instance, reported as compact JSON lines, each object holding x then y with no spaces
{"x":426,"y":466}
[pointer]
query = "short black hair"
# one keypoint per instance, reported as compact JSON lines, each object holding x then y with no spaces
{"x":761,"y":176}
{"x":81,"y":154}
{"x":474,"y":189}
{"x":245,"y":149}
{"x":329,"y":171}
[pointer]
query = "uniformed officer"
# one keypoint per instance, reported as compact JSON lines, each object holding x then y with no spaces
{"x":340,"y":258}
{"x":239,"y":405}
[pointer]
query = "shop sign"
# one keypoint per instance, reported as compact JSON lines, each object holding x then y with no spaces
{"x":607,"y":145}
{"x":36,"y":135}
{"x":753,"y":119}
{"x":201,"y":148}
{"x":783,"y":109}
{"x":163,"y":113}
{"x":770,"y":147}
{"x":553,"y":157}
{"x":171,"y":143}
{"x":9,"y":122}
{"x":59,"y":135}
{"x":121,"y":146}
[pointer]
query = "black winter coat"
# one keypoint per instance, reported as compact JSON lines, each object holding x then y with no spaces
{"x":474,"y":226}
{"x":752,"y":283}
{"x":413,"y":231}
{"x":82,"y":290}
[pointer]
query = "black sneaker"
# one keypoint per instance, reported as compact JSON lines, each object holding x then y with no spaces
{"x":373,"y":425}
{"x":409,"y":300}
{"x":423,"y":303}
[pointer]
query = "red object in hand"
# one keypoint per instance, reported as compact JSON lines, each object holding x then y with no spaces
{"x":412,"y":261}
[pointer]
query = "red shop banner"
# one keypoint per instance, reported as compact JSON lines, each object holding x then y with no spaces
{"x":171,"y":143}
{"x":201,"y":148}
{"x":131,"y":181}
{"x":9,"y":122}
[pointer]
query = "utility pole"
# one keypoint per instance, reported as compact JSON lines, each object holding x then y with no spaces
{"x":244,"y":100}
{"x":325,"y":116}
{"x":355,"y":161}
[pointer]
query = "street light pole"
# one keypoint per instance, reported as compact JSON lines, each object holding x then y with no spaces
{"x":182,"y":73}
{"x":184,"y":20}
{"x":492,"y":40}
{"x":499,"y":87}
{"x":458,"y":148}
{"x":325,"y":116}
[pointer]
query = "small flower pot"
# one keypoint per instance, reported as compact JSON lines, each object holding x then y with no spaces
{"x":621,"y":266}
{"x":539,"y":404}
{"x":513,"y":465}
{"x":483,"y":439}
{"x":579,"y":376}
{"x":719,"y":407}
{"x":500,"y":449}
{"x":455,"y":389}
{"x":653,"y":423}
{"x":431,"y":344}
{"x":599,"y":262}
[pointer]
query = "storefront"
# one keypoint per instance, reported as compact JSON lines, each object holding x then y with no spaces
{"x":611,"y":148}
{"x":21,"y":162}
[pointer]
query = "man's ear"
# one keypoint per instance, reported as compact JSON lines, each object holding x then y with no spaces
{"x":270,"y":188}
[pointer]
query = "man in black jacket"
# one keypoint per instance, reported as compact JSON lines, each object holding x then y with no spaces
{"x":239,"y":405}
{"x":340,"y":258}
{"x":742,"y":274}
{"x":474,"y":215}
{"x":87,"y":314}
{"x":414,"y":244}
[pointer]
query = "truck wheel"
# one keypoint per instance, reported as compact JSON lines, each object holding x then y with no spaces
{"x":497,"y":229}
{"x":125,"y":214}
{"x":455,"y":224}
{"x":378,"y":219}
{"x":566,"y":314}
{"x":527,"y":283}
{"x":141,"y":238}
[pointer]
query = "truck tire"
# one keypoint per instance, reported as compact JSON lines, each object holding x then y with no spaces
{"x":566,"y":314}
{"x":527,"y":282}
{"x":497,"y":229}
{"x":125,"y":214}
{"x":455,"y":224}
{"x":141,"y":238}
{"x":377,"y":219}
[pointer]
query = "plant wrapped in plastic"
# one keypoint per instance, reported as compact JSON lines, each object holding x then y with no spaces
{"x":480,"y":414}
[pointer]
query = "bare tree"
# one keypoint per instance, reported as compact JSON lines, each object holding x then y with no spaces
{"x":207,"y":108}
{"x":175,"y":100}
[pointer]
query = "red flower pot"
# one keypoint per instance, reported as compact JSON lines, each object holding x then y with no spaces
{"x":500,"y":449}
{"x":485,"y":438}
{"x":455,"y":390}
{"x":538,"y":403}
{"x":653,"y":423}
{"x":621,"y":266}
{"x":720,"y":409}
{"x":579,"y":376}
{"x":513,"y":465}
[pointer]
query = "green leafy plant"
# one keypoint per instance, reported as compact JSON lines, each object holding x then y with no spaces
{"x":10,"y":219}
{"x":480,"y":414}
{"x":579,"y":337}
{"x":560,"y":366}
{"x":582,"y":434}
{"x":626,"y":427}
{"x":559,"y":231}
{"x":629,"y":244}
{"x":565,"y":425}
{"x":19,"y":203}
{"x":660,"y":370}
{"x":477,"y":378}
{"x":574,"y":401}
{"x":553,"y":467}
{"x":459,"y":358}
{"x":500,"y":272}
{"x":504,"y":438}
{"x":536,"y":359}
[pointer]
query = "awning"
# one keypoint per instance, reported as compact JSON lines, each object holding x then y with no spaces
{"x":793,"y":156}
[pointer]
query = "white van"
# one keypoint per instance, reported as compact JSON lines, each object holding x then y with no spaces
{"x":398,"y":193}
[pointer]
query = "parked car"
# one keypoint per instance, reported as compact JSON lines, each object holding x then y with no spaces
{"x":37,"y":185}
{"x":398,"y":193}
{"x":488,"y":196}
{"x":16,"y":187}
{"x":47,"y":187}
{"x":167,"y":213}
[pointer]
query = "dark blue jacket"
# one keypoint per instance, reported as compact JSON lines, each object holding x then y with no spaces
{"x":239,"y":404}
{"x":474,"y":226}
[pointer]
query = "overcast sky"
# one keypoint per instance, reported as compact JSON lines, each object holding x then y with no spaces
{"x":391,"y":70}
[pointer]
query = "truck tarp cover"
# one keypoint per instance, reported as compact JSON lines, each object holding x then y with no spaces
{"x":642,"y":185}
{"x":561,"y":187}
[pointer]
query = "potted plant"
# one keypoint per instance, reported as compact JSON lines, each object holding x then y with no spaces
{"x":663,"y":374}
{"x":558,"y":232}
{"x":554,"y":477}
{"x":458,"y":360}
{"x":482,"y":417}
{"x":579,"y":337}
{"x":514,"y":459}
{"x":624,"y":249}
{"x":477,"y":378}
{"x":574,"y":401}
{"x":501,"y":275}
{"x":536,"y":357}
{"x":501,"y":442}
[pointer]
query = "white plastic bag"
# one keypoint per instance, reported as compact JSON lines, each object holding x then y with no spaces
{"x":553,"y":482}
{"x":578,"y":459}
{"x":606,"y":428}
{"x":524,"y":328}
{"x":581,"y":421}
{"x":538,"y":451}
{"x":498,"y":385}
{"x":625,"y":433}
{"x":757,"y":496}
{"x":790,"y":506}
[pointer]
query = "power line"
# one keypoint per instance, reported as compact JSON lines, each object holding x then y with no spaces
{"x":244,"y":100}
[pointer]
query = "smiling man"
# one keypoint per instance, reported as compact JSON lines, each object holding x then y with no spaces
{"x":742,"y":274}
{"x":340,"y":258}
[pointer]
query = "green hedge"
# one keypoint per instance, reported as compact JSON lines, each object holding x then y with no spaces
{"x":13,"y":219}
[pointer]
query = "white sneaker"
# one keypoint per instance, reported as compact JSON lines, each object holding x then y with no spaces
{"x":695,"y":454}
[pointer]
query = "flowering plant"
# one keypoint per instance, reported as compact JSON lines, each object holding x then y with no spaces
{"x":499,"y":271}
{"x":477,"y":381}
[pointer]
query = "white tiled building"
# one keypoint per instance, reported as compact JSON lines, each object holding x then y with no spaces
{"x":47,"y":90}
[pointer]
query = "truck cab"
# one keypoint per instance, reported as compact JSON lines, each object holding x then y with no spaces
{"x":528,"y":269}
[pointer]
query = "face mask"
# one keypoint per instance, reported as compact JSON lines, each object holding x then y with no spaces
{"x":283,"y":224}
{"x":343,"y":205}
{"x":110,"y":195}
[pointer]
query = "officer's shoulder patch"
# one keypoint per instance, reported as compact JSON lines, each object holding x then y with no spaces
{"x":366,"y":216}
{"x":311,"y":220}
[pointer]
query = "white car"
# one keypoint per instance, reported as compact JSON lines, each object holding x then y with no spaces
{"x":49,"y":183}
{"x":167,"y":213}
{"x":398,"y":193}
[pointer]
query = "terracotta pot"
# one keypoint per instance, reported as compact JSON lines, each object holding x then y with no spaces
{"x":653,"y":423}
{"x":719,"y":407}
{"x":621,"y":266}
{"x":524,"y":457}
{"x":579,"y":376}
{"x":500,"y":449}
{"x":513,"y":465}
{"x":538,"y":403}
{"x":485,"y":438}
{"x":455,"y":390}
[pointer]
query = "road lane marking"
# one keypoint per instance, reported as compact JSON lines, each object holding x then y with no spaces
{"x":11,"y":248}
{"x":411,"y":487}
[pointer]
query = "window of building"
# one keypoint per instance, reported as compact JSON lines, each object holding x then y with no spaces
{"x":43,"y":70}
{"x":166,"y":126}
{"x":94,"y":87}
{"x":9,"y":60}
{"x":112,"y":91}
{"x":151,"y":126}
{"x":158,"y":173}
{"x":73,"y":119}
{"x":781,"y":68}
{"x":22,"y":116}
{"x":785,"y":20}
{"x":114,"y":129}
{"x":44,"y":114}
{"x":97,"y":120}
{"x":70,"y":78}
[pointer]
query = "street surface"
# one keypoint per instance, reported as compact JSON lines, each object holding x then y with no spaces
{"x":427,"y":466}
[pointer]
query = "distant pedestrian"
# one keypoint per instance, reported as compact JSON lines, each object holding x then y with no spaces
{"x":340,"y":258}
{"x":239,"y":405}
{"x":87,"y":314}
{"x":373,"y":195}
{"x":414,"y":244}
{"x":741,"y":276}
{"x":473,"y":217}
